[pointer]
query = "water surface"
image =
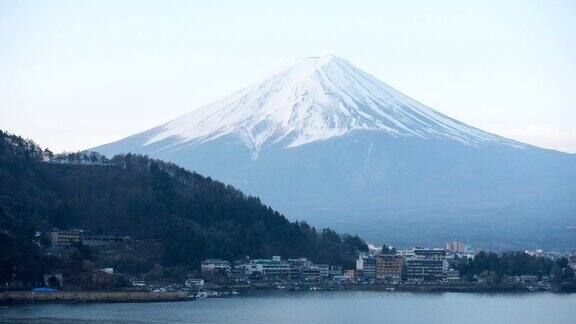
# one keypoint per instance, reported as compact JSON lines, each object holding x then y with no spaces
{"x":316,"y":307}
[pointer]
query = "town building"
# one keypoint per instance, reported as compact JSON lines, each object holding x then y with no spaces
{"x":311,"y":273}
{"x":302,"y":268}
{"x":366,"y":265}
{"x":369,"y":268}
{"x":139,"y":283}
{"x":572,"y":260}
{"x":341,"y":279}
{"x":389,"y":267}
{"x":65,"y":238}
{"x":352,"y":274}
{"x":324,"y":270}
{"x":194,"y":283}
{"x":210,"y":265}
{"x":270,"y":268}
{"x":426,"y":265}
{"x":60,"y":238}
{"x":360,"y":261}
{"x":452,"y":275}
{"x":91,"y":239}
{"x":456,"y":246}
{"x":276,"y":268}
{"x":335,"y":271}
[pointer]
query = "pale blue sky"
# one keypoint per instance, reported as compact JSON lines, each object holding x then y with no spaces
{"x":75,"y":74}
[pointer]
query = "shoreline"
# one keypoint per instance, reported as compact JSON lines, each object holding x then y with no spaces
{"x":83,"y":296}
{"x":463,"y":287}
{"x":9,"y":297}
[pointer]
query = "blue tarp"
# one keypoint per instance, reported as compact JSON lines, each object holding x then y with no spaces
{"x":44,"y":289}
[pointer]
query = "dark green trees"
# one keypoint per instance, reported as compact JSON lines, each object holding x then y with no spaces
{"x":193,"y":217}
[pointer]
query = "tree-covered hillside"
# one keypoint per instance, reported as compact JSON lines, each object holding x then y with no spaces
{"x":193,"y":217}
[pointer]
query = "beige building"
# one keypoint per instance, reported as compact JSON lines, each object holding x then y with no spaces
{"x":456,"y":247}
{"x":389,"y":267}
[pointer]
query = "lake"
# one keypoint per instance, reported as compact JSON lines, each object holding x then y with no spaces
{"x":316,"y":307}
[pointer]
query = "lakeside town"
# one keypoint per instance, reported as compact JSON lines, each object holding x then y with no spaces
{"x":415,"y":269}
{"x":380,"y":268}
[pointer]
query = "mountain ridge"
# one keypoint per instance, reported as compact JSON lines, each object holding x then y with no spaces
{"x":319,"y":146}
{"x":191,"y":216}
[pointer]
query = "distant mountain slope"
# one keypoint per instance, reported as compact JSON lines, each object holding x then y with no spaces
{"x":310,"y":100}
{"x":193,"y":217}
{"x":326,"y":142}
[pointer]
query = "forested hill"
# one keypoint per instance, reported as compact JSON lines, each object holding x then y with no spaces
{"x":193,"y":217}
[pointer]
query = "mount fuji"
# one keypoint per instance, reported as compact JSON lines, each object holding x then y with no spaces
{"x":326,"y":142}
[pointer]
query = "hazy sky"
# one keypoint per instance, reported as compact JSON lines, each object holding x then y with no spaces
{"x":76,"y":74}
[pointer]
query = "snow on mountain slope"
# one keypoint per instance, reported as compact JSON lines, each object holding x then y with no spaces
{"x":315,"y":99}
{"x":324,"y":142}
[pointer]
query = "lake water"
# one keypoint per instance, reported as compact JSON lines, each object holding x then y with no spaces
{"x":316,"y":307}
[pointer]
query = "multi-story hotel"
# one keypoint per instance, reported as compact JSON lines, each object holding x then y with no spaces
{"x":389,"y":267}
{"x":426,"y":265}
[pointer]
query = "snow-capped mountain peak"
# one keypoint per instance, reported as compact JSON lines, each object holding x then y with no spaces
{"x":326,"y":142}
{"x":311,"y":99}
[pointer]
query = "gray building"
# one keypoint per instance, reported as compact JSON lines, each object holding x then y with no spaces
{"x":366,"y":264}
{"x":210,"y":265}
{"x":270,"y":268}
{"x":426,"y":265}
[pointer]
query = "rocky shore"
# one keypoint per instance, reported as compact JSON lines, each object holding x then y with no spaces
{"x":91,"y":296}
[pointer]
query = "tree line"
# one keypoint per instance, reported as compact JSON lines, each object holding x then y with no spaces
{"x":192,"y":216}
{"x":510,"y":264}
